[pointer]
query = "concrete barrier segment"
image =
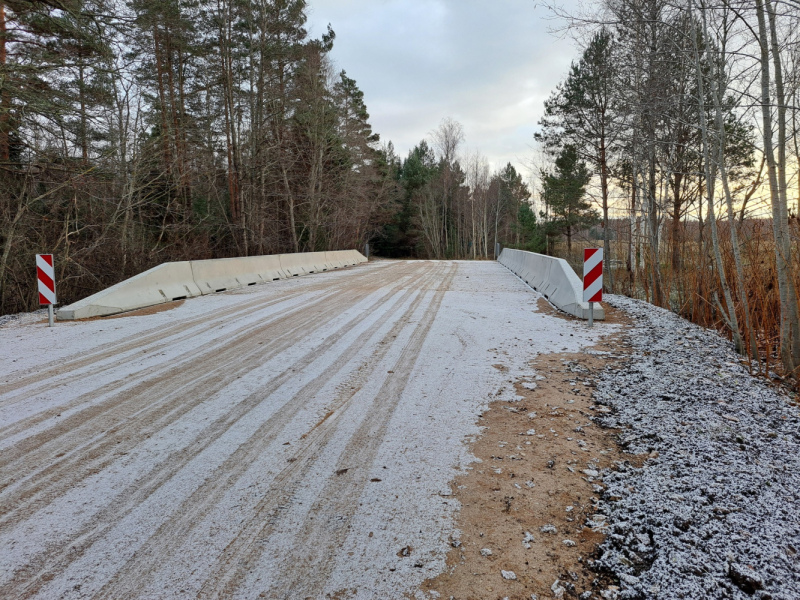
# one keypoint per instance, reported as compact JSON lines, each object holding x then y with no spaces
{"x":187,"y":279}
{"x":553,"y":278}
{"x":221,"y":275}
{"x":164,"y":283}
{"x":334,"y":260}
{"x":345,"y":258}
{"x":269,"y":268}
{"x":294,"y":264}
{"x":316,"y":261}
{"x":357,"y":257}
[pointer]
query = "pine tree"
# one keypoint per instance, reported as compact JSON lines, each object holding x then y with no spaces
{"x":513,"y":195}
{"x":584,"y":112}
{"x":564,"y":191}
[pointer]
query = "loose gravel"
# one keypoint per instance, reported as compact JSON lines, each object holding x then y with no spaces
{"x":715,"y":510}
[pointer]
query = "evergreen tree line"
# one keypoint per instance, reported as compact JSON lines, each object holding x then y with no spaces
{"x":143,"y":131}
{"x":680,"y":123}
{"x":450,"y":205}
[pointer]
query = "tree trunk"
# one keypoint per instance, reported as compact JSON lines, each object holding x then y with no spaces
{"x":84,"y":133}
{"x":632,"y":228}
{"x":230,"y":120}
{"x":786,"y":244}
{"x":779,"y":223}
{"x":5,"y":95}
{"x":162,"y":98}
{"x":292,"y":219}
{"x":729,"y":310}
{"x":677,"y":201}
{"x":609,"y":276}
{"x":717,"y":94}
{"x":8,"y":235}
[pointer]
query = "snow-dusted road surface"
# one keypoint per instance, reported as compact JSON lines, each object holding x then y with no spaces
{"x":293,"y":440}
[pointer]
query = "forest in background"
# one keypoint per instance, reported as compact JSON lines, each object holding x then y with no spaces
{"x":135,"y":133}
{"x":680,"y":123}
{"x":143,"y":131}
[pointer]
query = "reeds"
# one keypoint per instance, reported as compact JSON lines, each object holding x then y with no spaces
{"x":690,"y":279}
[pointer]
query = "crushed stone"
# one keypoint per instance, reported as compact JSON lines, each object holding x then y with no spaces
{"x":715,"y":510}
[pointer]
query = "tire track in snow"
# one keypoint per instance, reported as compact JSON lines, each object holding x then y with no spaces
{"x":307,"y":567}
{"x":28,"y":580}
{"x":134,"y":377}
{"x":90,"y":439}
{"x":169,"y":538}
{"x":131,"y":378}
{"x":159,"y":337}
{"x":306,"y":574}
{"x":89,"y":369}
{"x":164,"y":366}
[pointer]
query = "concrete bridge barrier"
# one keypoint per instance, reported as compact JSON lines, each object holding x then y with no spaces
{"x":553,"y":278}
{"x":308,"y":262}
{"x":188,"y":279}
{"x":156,"y":286}
{"x":334,"y":260}
{"x":344,"y":258}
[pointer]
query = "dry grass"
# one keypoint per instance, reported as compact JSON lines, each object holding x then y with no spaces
{"x":691,"y":284}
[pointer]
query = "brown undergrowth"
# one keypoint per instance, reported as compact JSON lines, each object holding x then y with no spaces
{"x":526,"y":503}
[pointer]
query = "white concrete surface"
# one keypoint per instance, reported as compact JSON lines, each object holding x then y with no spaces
{"x":155,"y":286}
{"x":281,"y":441}
{"x":179,"y":280}
{"x":553,"y":278}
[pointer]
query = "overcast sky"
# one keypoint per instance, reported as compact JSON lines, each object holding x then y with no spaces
{"x":489,"y":64}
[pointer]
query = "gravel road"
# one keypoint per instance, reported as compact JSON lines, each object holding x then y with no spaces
{"x":292,"y":440}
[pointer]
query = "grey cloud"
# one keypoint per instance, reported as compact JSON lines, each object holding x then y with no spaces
{"x":488,"y":64}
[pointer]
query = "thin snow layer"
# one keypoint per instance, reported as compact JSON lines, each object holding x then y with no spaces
{"x":293,"y":440}
{"x":716,"y":512}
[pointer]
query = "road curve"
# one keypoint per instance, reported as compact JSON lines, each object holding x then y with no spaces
{"x":294,"y":440}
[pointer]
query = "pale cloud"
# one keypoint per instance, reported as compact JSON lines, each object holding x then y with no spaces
{"x":489,"y":64}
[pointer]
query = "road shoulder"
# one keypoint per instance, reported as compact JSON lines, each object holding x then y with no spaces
{"x":527,"y":524}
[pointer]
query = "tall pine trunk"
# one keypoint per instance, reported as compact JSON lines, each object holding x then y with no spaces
{"x":5,"y":94}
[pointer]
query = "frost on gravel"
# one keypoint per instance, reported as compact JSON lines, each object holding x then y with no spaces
{"x":715,"y":512}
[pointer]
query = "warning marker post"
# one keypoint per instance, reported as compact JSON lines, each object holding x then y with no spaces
{"x":592,"y":279}
{"x":46,"y":275}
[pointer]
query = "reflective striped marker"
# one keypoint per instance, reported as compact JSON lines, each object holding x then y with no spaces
{"x":46,"y":274}
{"x":593,"y":275}
{"x":592,"y":278}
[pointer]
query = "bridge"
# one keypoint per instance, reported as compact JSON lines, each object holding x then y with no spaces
{"x":387,"y":430}
{"x":289,"y":438}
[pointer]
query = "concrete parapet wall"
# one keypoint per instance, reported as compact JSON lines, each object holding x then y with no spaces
{"x":553,"y":278}
{"x":231,"y":273}
{"x":156,"y":286}
{"x":180,"y":280}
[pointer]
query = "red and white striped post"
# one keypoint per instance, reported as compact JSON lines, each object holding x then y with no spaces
{"x":592,"y":279}
{"x":46,"y":274}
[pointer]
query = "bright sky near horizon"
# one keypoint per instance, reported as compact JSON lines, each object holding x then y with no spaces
{"x":488,"y":64}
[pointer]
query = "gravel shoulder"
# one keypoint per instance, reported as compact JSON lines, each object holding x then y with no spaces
{"x":682,"y":483}
{"x":715,"y":511}
{"x":526,"y":525}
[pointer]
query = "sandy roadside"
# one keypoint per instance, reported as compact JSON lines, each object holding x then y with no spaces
{"x":523,"y":529}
